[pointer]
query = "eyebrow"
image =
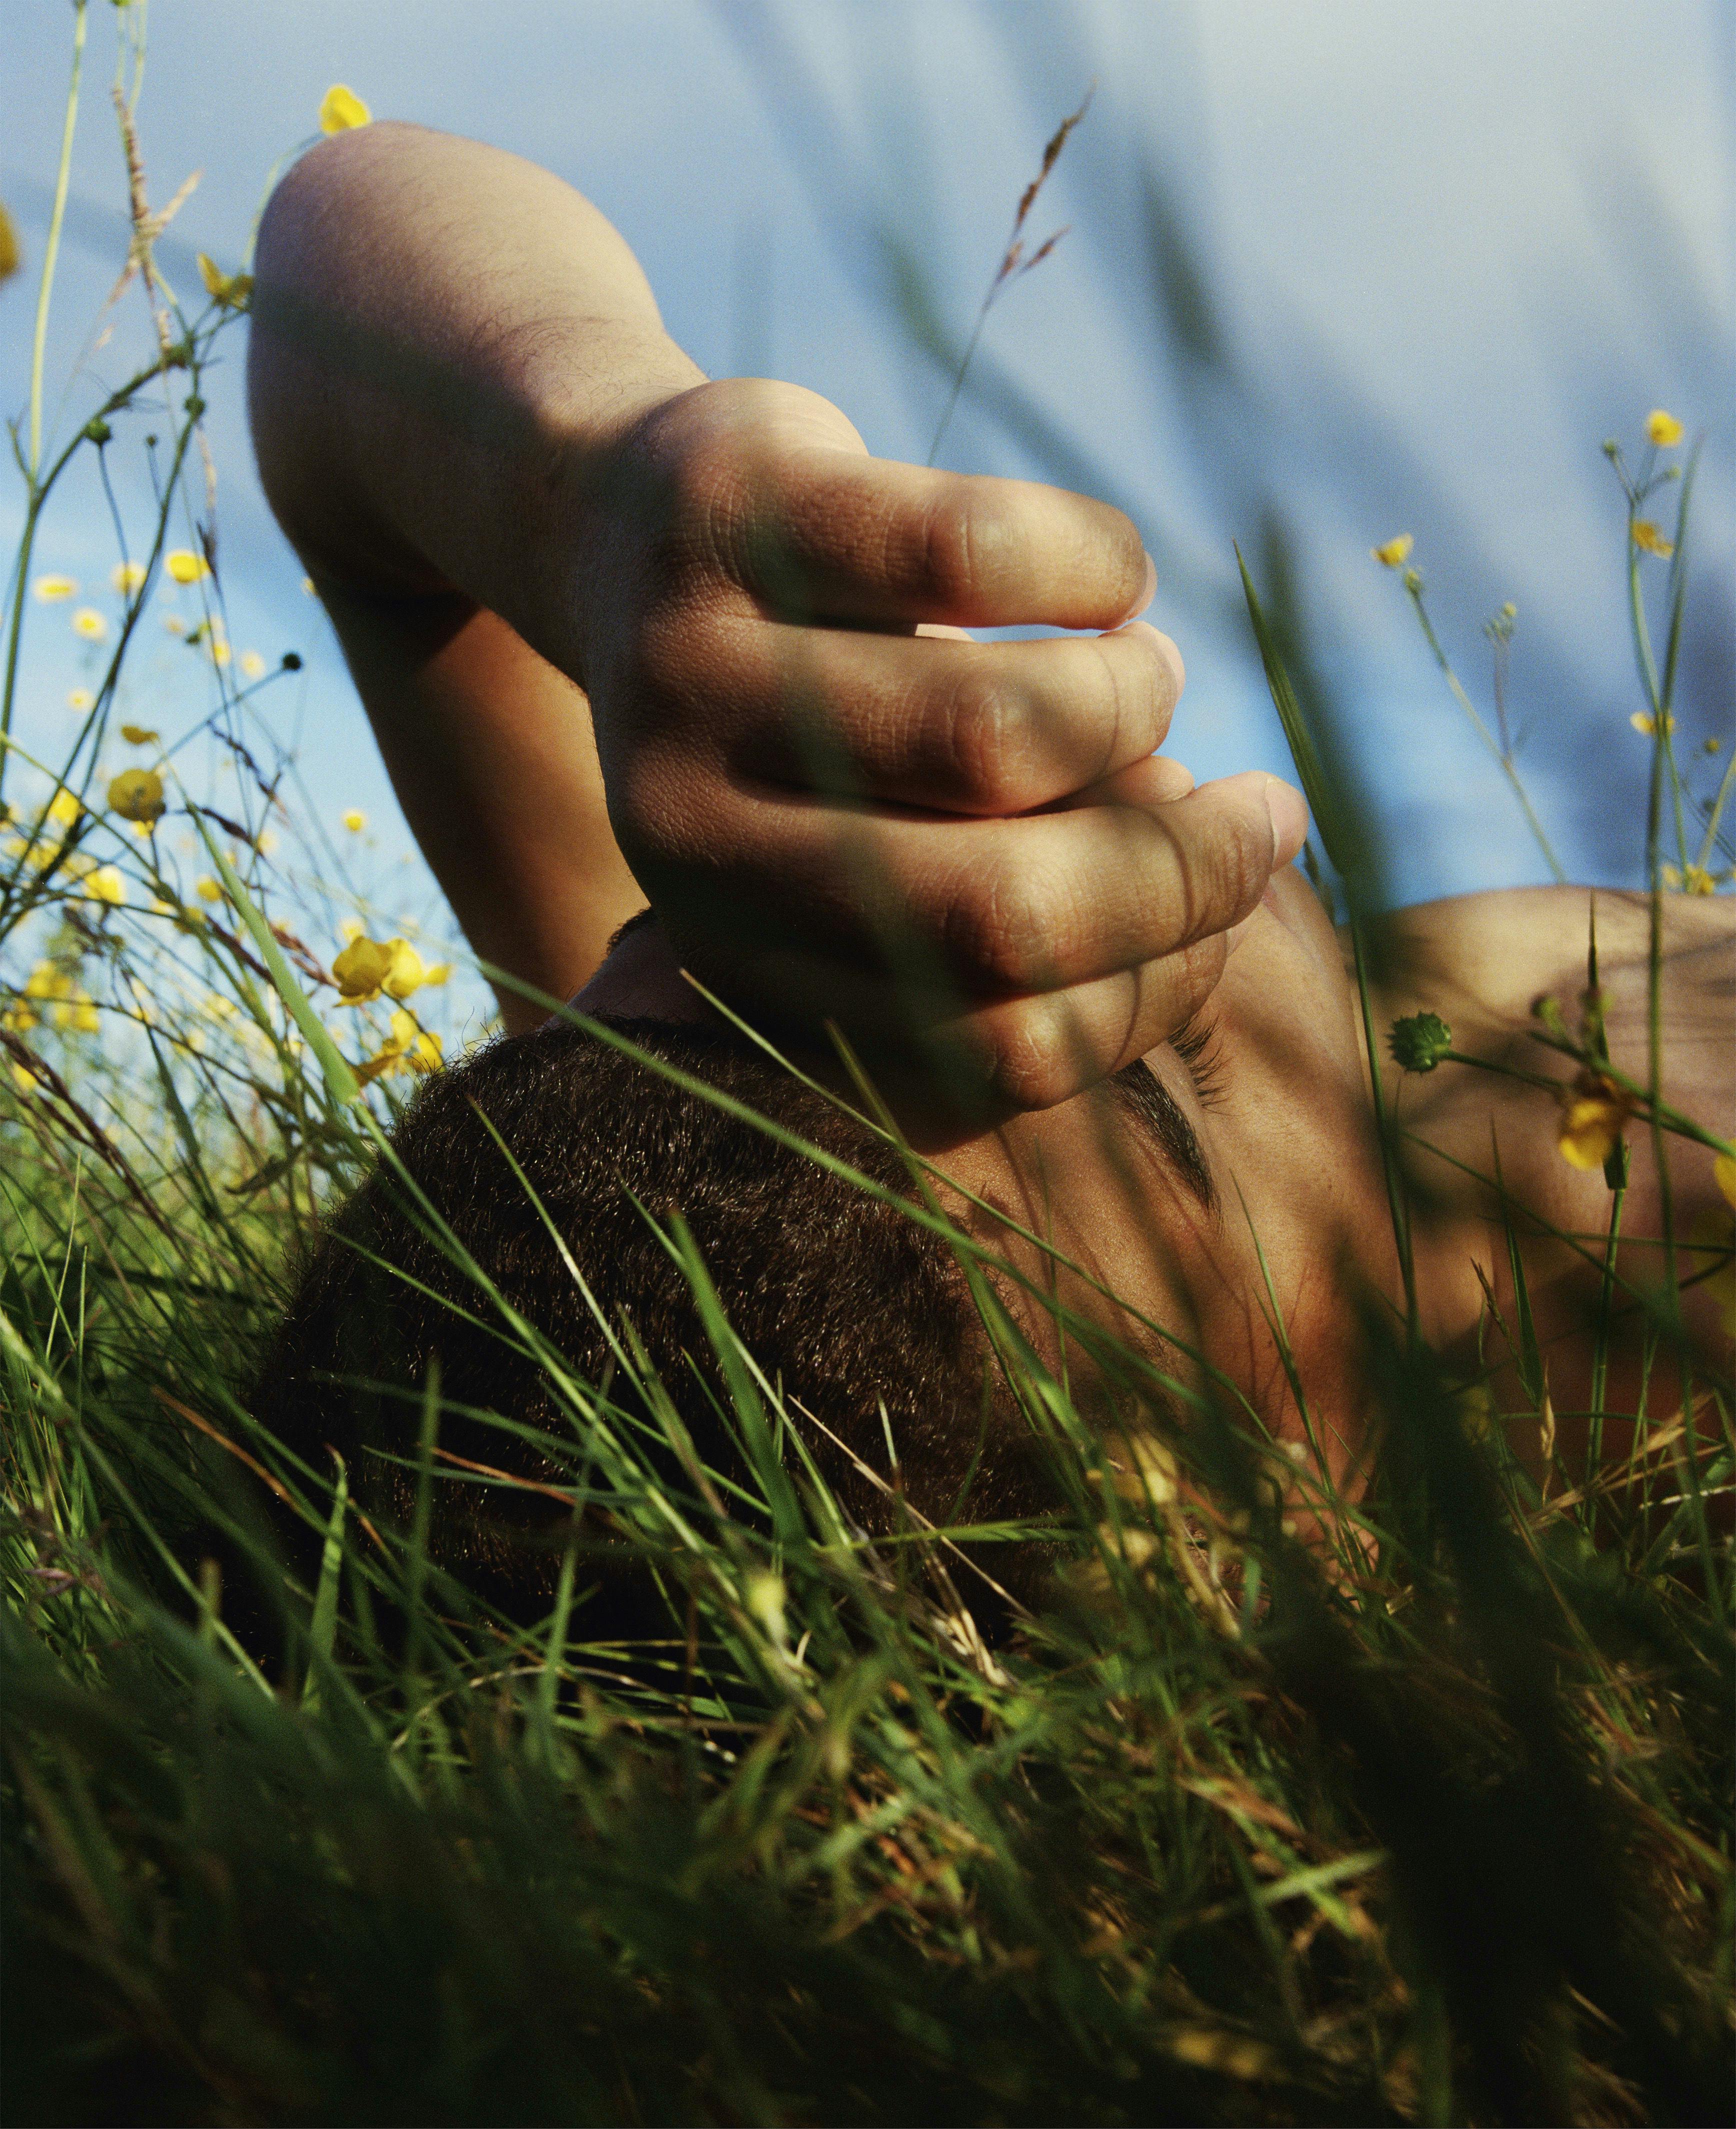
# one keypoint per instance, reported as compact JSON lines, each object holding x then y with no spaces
{"x":1157,"y":1115}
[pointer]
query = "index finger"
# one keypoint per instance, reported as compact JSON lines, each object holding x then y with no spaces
{"x":828,"y":535}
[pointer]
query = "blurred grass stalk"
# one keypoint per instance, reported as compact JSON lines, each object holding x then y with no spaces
{"x":1430,"y":1824}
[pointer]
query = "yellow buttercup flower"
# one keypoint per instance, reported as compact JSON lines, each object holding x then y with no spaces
{"x":52,"y":589}
{"x":79,"y":699}
{"x":47,"y":981}
{"x":139,"y":735}
{"x":1696,"y":880}
{"x":355,"y":820}
{"x":351,"y":927}
{"x":63,"y":809}
{"x":127,"y":578}
{"x":1642,"y":721}
{"x":206,"y":889}
{"x":137,"y":794}
{"x":1393,"y":554}
{"x":407,"y":1049}
{"x":1594,"y":1112}
{"x":89,"y":624}
{"x":367,"y":967}
{"x":340,"y":109}
{"x":1662,"y":429}
{"x":438,"y":974}
{"x":1647,"y":535}
{"x":360,"y":969}
{"x":107,"y":884}
{"x":231,"y":290}
{"x":184,"y":566}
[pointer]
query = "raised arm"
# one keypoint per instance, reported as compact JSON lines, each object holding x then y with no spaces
{"x":516,"y":493}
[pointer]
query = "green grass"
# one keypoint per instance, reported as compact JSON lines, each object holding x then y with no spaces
{"x":1436,"y":1829}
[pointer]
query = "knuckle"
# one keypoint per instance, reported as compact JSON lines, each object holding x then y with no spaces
{"x":985,"y":726}
{"x":1039,"y":1058}
{"x":962,"y":537}
{"x":1012,"y":930}
{"x":1224,"y":872}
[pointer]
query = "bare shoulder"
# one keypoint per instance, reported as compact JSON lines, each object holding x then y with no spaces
{"x":1485,"y":957}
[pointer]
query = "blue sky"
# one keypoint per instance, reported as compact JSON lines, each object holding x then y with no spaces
{"x":1442,"y":251}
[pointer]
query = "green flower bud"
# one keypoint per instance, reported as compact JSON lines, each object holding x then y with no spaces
{"x":1419,"y":1043}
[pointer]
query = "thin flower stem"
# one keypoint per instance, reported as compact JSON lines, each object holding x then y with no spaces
{"x":1503,"y":759}
{"x":1600,"y":1339}
{"x":51,"y":250}
{"x":1397,"y":1208}
{"x":1709,"y":840}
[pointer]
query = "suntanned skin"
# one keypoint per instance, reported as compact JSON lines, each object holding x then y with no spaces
{"x":626,"y":635}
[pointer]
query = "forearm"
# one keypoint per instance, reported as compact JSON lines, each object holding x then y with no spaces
{"x":444,"y":338}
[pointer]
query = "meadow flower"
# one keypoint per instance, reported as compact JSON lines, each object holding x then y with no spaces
{"x":231,"y":290}
{"x":1392,"y":554}
{"x":139,"y":735}
{"x":48,"y":979}
{"x":253,"y":666}
{"x":79,"y":699}
{"x":1642,"y":721}
{"x":367,"y":967}
{"x":1662,"y":429}
{"x":127,"y":578}
{"x":355,"y":820}
{"x":1647,"y":535}
{"x":89,"y":624}
{"x":1594,"y":1111}
{"x":438,"y":974}
{"x":107,"y":883}
{"x":1420,"y":1042}
{"x":206,"y":889}
{"x":137,"y":794}
{"x":52,"y":589}
{"x":63,"y":809}
{"x":340,"y":108}
{"x":351,"y":927}
{"x":1696,"y":880}
{"x":184,"y":566}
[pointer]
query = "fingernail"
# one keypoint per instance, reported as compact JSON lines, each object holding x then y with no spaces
{"x":1148,"y":591}
{"x":1288,"y":811}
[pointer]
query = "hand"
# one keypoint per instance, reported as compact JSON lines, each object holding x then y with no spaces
{"x":960,"y":852}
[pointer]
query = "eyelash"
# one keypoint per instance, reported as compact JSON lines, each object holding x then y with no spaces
{"x":1195,"y":1043}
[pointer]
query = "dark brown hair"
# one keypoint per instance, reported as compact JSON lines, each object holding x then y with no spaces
{"x":842,"y":1299}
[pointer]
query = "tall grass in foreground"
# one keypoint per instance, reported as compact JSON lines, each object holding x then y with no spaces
{"x":1435,"y":1828}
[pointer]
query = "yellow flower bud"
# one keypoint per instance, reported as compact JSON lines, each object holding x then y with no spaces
{"x":1662,"y":429}
{"x":1646,"y":534}
{"x":137,"y":794}
{"x":340,"y":108}
{"x":89,"y":624}
{"x":107,"y":884}
{"x":127,"y":578}
{"x":360,"y":971}
{"x":184,"y":566}
{"x":1594,"y":1112}
{"x":1393,"y":554}
{"x":52,"y":589}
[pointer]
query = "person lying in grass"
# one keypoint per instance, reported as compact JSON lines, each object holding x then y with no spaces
{"x":677,"y":664}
